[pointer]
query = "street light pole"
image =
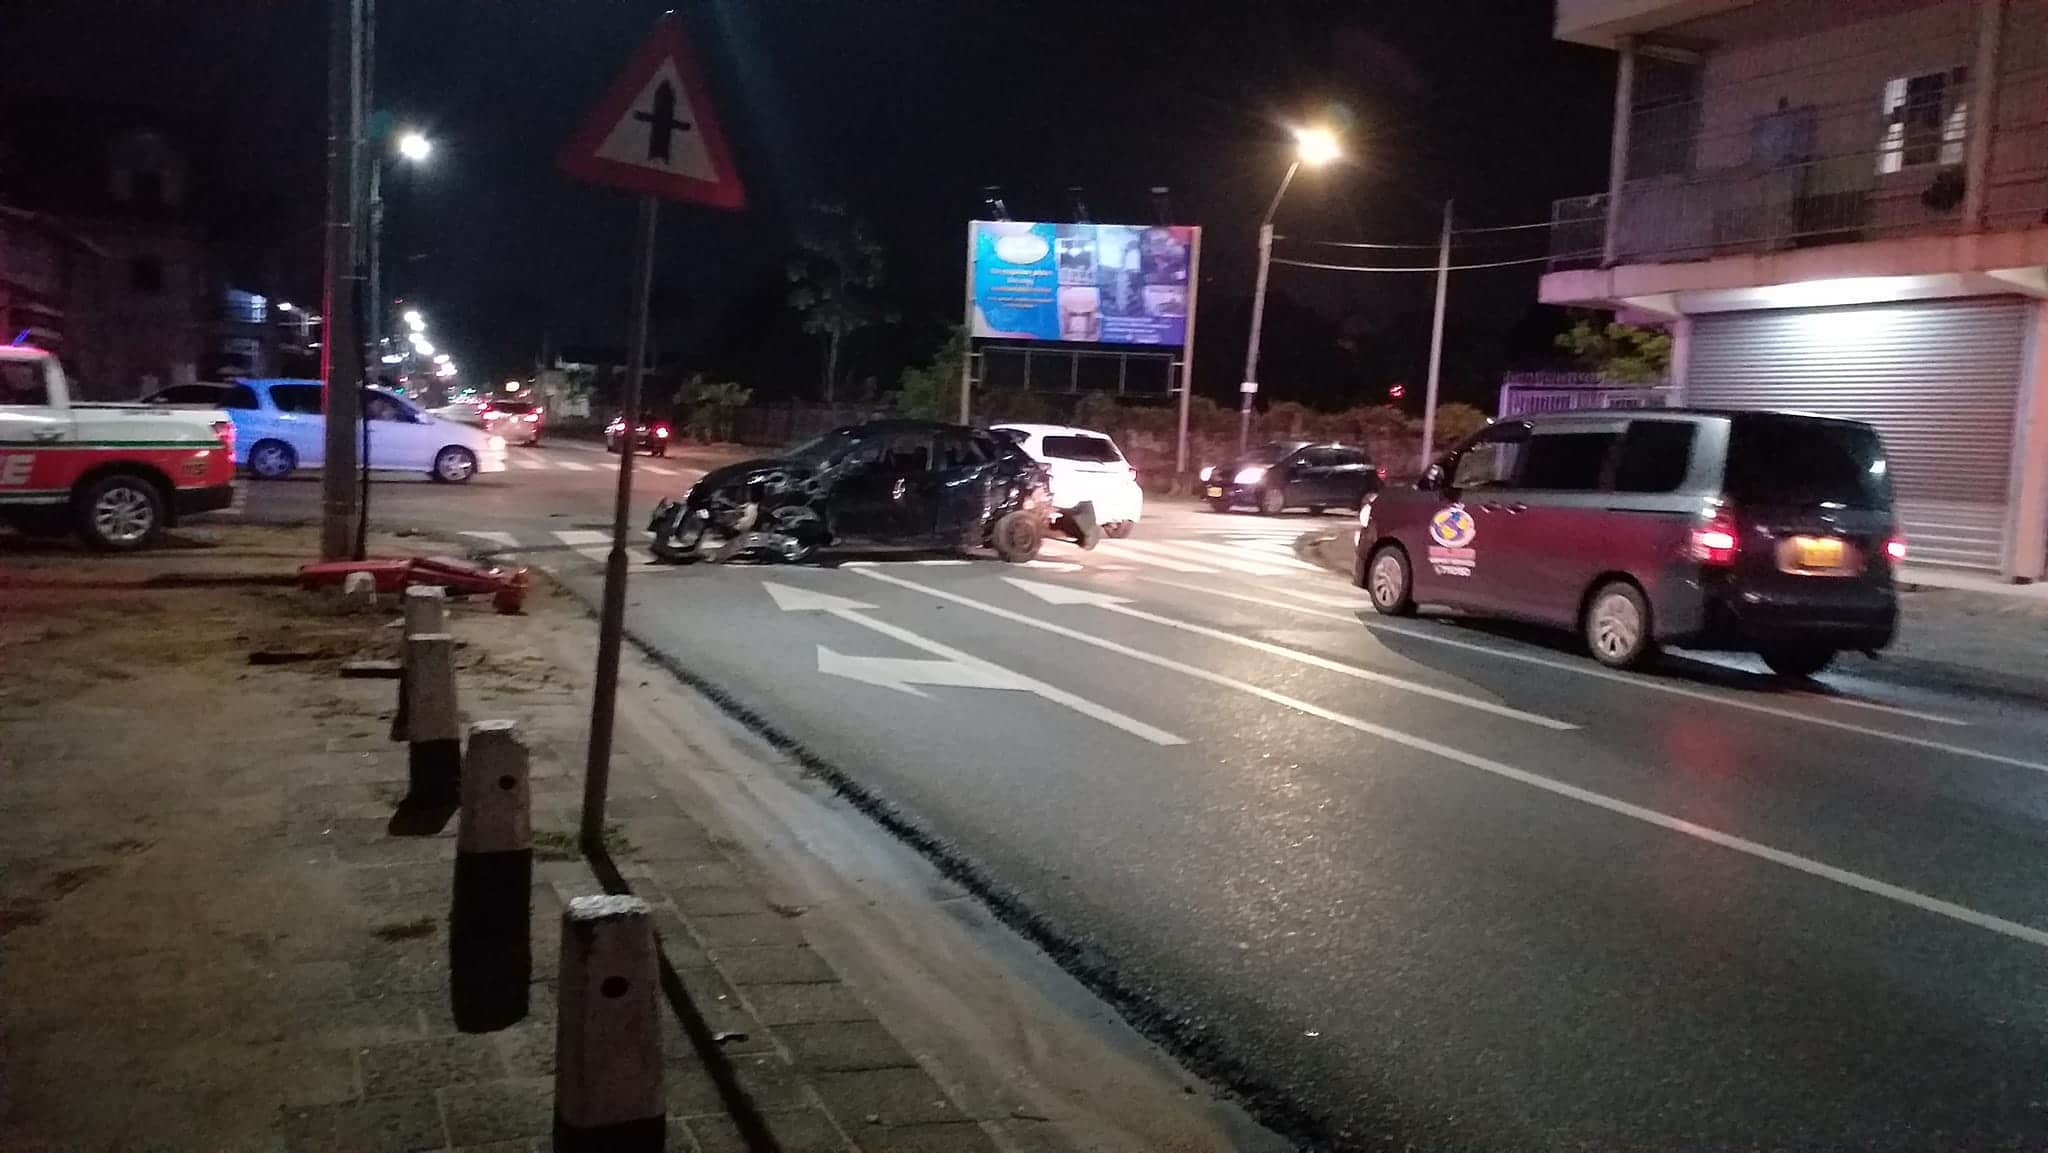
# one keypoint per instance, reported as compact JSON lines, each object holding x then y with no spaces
{"x":1436,"y":339}
{"x":1249,"y":388}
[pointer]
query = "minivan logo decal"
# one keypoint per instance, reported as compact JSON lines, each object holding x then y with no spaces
{"x":1453,"y":527}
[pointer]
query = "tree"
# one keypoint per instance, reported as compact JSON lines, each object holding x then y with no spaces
{"x":709,"y":406}
{"x":836,"y":279}
{"x":1618,"y":351}
{"x":932,"y":392}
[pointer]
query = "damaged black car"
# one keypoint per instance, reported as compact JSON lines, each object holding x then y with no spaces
{"x":892,"y":484}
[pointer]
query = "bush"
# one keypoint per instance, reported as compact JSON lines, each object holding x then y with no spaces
{"x":710,"y":406}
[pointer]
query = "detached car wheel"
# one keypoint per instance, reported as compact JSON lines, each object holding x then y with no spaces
{"x":1389,"y":582}
{"x":120,"y":513}
{"x":1798,"y":661}
{"x":1017,"y":537}
{"x":1617,"y":626}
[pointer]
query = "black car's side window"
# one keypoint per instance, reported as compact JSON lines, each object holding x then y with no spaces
{"x":908,"y":453}
{"x":1492,"y":461}
{"x":957,"y":451}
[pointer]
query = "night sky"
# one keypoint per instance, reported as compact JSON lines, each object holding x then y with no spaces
{"x":901,"y":109}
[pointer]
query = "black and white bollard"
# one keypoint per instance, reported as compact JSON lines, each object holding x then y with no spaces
{"x":608,"y":1074}
{"x":490,"y":936}
{"x":426,"y":611}
{"x":433,"y":732}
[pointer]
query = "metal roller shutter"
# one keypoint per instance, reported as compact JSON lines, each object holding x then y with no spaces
{"x":1939,"y":379}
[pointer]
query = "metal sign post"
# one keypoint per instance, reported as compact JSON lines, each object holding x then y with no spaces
{"x":1436,"y":341}
{"x":612,"y":617}
{"x":654,"y":134}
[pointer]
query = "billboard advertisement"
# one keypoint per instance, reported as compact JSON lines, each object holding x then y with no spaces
{"x":1083,"y":283}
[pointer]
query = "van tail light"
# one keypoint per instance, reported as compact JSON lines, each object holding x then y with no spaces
{"x":225,"y":430}
{"x":1714,"y":543}
{"x":1382,"y":470}
{"x":1895,"y":548}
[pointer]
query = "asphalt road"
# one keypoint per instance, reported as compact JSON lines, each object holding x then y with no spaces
{"x":1409,"y":884}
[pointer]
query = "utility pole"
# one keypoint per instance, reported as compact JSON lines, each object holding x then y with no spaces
{"x":340,"y":351}
{"x":1249,"y":388}
{"x":1436,"y":340}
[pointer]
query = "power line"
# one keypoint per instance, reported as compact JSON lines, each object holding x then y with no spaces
{"x":1505,"y":227}
{"x":1354,"y":244}
{"x":1412,"y":268}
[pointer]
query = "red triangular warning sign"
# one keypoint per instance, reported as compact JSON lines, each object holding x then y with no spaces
{"x":655,"y":132}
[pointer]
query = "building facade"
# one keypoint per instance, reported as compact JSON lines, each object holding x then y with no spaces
{"x":1841,"y":207}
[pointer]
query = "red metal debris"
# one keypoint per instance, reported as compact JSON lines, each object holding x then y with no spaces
{"x":506,"y":587}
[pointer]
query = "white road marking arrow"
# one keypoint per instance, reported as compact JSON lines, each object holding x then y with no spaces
{"x":1066,"y":595}
{"x":953,"y":668}
{"x":905,"y":673}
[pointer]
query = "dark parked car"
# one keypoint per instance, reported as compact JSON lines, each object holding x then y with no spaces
{"x":1284,"y":474}
{"x":887,"y":484}
{"x":649,"y":435}
{"x":1755,"y":531}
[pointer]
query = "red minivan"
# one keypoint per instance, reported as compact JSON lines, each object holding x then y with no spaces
{"x":1764,"y":532}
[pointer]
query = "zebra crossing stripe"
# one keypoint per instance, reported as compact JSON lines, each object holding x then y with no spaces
{"x":500,"y":539}
{"x":1213,"y":555}
{"x":1149,"y":552}
{"x":572,"y":465}
{"x":1263,"y":556}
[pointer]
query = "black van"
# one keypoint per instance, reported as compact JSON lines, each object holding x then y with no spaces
{"x":1766,"y":532}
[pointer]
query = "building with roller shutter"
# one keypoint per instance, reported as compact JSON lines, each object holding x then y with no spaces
{"x":1841,"y":207}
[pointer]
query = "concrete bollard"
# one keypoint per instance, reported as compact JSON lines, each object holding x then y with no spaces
{"x":490,"y":936}
{"x":608,"y":1072}
{"x":433,"y":732}
{"x":426,"y":611}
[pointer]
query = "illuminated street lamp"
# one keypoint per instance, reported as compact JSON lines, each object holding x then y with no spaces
{"x":413,"y":148}
{"x":1315,"y":147}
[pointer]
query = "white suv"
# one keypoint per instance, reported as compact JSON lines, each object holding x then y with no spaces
{"x":1085,"y":466}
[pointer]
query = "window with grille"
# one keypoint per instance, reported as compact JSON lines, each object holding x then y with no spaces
{"x":1926,"y":120}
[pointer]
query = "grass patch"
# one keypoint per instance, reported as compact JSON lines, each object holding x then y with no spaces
{"x":565,"y":844}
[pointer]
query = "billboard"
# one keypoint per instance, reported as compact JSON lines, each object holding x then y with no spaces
{"x":1086,"y":283}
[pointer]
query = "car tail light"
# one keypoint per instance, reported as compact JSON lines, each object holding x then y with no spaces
{"x":531,"y":418}
{"x":1714,"y":542}
{"x":225,"y":430}
{"x":1895,"y":548}
{"x":1382,"y":470}
{"x":661,"y":431}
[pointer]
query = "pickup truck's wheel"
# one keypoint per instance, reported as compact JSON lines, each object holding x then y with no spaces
{"x":272,"y":459}
{"x":454,"y":465}
{"x":120,"y":513}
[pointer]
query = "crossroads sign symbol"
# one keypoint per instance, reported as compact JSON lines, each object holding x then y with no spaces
{"x":655,"y":132}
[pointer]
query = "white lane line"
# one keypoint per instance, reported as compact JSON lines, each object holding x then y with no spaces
{"x":793,"y":598}
{"x":1068,"y":595}
{"x":1736,"y":664}
{"x":572,"y":465}
{"x":527,"y":462}
{"x":659,"y":470}
{"x":1136,"y":550}
{"x":581,"y":536}
{"x":1649,"y":816}
{"x":500,"y":539}
{"x":1588,"y":669}
{"x":1062,"y":566}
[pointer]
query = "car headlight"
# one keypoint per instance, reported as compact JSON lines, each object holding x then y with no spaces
{"x":1250,"y":474}
{"x":495,"y":444}
{"x":1208,"y":470}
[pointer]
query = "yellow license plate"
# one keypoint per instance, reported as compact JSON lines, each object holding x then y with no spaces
{"x":1819,"y":553}
{"x":1214,"y":491}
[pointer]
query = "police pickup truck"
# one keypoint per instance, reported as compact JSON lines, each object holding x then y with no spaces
{"x":115,"y":474}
